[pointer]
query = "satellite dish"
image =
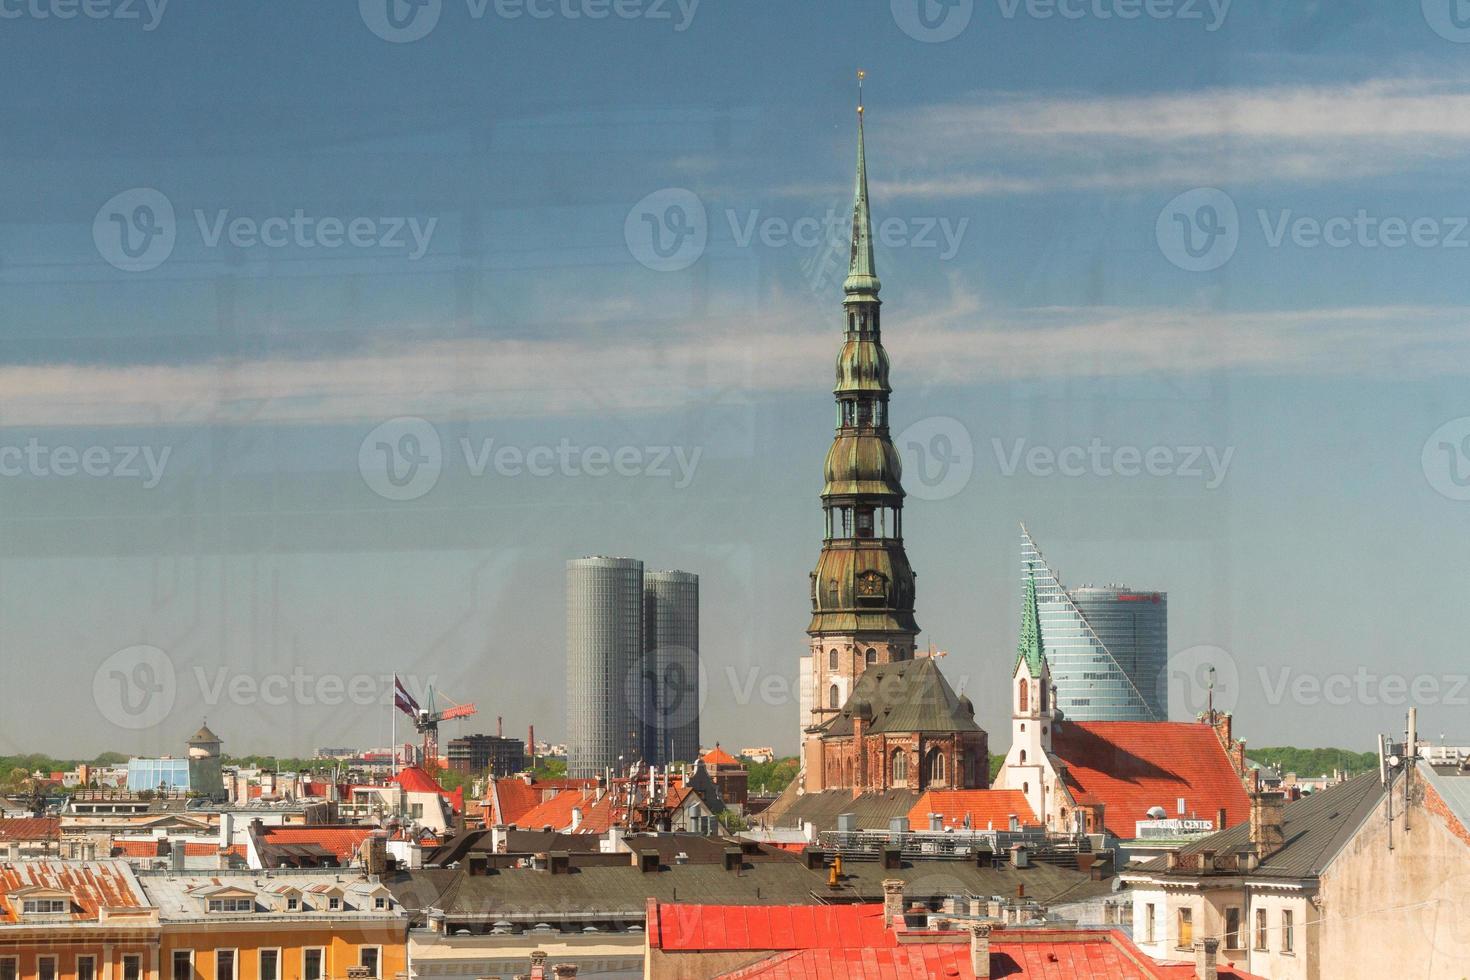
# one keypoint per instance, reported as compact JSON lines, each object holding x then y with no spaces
{"x":1156,"y":813}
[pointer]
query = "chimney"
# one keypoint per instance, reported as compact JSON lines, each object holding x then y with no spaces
{"x":892,"y":858}
{"x":1220,"y":819}
{"x":1205,"y":963}
{"x":576,"y":817}
{"x":936,"y":821}
{"x":734,"y":859}
{"x":559,"y":862}
{"x":538,"y":964}
{"x":1266,"y":831}
{"x":892,"y":900}
{"x":814,"y":858}
{"x":980,"y":950}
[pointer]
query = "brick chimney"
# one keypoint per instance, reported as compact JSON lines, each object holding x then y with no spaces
{"x":538,"y":964}
{"x":980,"y":950}
{"x":892,"y":900}
{"x":1266,"y":833}
{"x":1205,"y":962}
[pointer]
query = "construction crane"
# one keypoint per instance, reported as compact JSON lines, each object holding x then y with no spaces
{"x":426,"y":719}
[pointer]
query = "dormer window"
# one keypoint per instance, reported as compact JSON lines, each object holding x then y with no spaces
{"x":231,"y":905}
{"x":45,"y":906}
{"x":292,"y":904}
{"x":334,"y":903}
{"x":380,"y":902}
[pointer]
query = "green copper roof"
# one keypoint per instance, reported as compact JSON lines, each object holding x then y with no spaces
{"x":1029,"y":649}
{"x":862,"y":276}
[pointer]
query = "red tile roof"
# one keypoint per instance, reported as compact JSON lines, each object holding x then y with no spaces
{"x":135,"y":848}
{"x":556,"y":812}
{"x":511,"y":798}
{"x":710,"y":928}
{"x":342,"y":841}
{"x":847,"y":942}
{"x":1130,"y":766}
{"x":92,"y":885}
{"x":984,"y":807}
{"x":30,"y":828}
{"x":415,"y":780}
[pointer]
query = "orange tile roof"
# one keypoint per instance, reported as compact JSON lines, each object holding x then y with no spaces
{"x":135,"y":848}
{"x":719,"y":757}
{"x":92,"y":885}
{"x":1130,"y":766}
{"x":30,"y":828}
{"x":556,"y":812}
{"x":342,"y":841}
{"x":985,"y":808}
{"x":511,"y":798}
{"x":415,"y":780}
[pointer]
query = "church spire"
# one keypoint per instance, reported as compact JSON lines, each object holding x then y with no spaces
{"x":862,"y":276}
{"x":1030,"y":648}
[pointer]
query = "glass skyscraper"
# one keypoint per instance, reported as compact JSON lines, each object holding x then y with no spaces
{"x":671,"y":663}
{"x":1107,"y":647}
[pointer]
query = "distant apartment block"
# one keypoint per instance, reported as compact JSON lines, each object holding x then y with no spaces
{"x":493,"y":754}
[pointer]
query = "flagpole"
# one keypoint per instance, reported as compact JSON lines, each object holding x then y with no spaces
{"x":393,"y":726}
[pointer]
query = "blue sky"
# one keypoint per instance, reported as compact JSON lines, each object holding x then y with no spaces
{"x":332,"y":228}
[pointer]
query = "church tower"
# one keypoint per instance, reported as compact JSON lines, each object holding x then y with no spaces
{"x":1033,"y":711}
{"x":862,"y":590}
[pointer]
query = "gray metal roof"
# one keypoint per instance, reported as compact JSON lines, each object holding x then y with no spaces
{"x":1316,"y":827}
{"x":528,"y":894}
{"x":905,"y":696}
{"x":873,"y":811}
{"x":177,"y":896}
{"x":1453,"y":786}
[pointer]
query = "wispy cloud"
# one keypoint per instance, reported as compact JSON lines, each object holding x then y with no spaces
{"x":1000,"y":144}
{"x":632,"y":367}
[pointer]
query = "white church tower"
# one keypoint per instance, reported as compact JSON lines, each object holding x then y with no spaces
{"x":1028,"y":765}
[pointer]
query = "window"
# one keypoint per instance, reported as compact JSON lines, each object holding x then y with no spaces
{"x":334,"y":903}
{"x":46,"y":967}
{"x":1023,"y":757}
{"x":311,"y":963}
{"x":380,"y":902}
{"x":8,"y":968}
{"x":183,"y":964}
{"x":132,"y":968}
{"x":900,"y":766}
{"x":831,"y":659}
{"x":1186,"y":929}
{"x":270,"y":964}
{"x":938,"y":773}
{"x":292,"y":904}
{"x":45,"y":906}
{"x":224,"y":964}
{"x":368,"y":958}
{"x":1232,"y":927}
{"x":871,"y":656}
{"x":86,"y":968}
{"x":1150,"y":916}
{"x":1288,"y":940}
{"x":832,"y":697}
{"x":231,"y":905}
{"x":1260,"y":929}
{"x":1023,"y":696}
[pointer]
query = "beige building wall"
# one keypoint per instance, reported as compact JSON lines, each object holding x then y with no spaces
{"x":1401,"y":912}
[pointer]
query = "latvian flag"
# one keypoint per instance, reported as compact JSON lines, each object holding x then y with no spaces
{"x":403,"y":699}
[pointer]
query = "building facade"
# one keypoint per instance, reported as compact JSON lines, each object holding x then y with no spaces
{"x":83,"y":920}
{"x":671,"y":661}
{"x":862,"y":589}
{"x":604,"y":664}
{"x":493,"y":754}
{"x":1107,"y":648}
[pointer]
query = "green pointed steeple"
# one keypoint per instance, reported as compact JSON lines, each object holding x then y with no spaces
{"x":862,"y":276}
{"x":1030,"y":649}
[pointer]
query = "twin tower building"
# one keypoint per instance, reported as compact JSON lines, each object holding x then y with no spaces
{"x":633,"y":690}
{"x":876,"y":712}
